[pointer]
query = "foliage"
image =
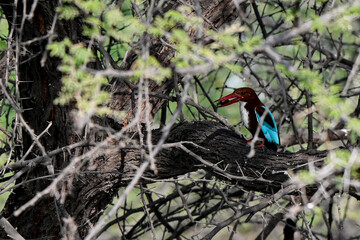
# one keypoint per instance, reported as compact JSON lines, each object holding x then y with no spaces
{"x":133,"y":65}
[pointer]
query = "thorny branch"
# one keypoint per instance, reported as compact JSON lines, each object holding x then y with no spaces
{"x":197,"y":174}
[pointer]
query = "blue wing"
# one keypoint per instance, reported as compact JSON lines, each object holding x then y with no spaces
{"x":269,"y":125}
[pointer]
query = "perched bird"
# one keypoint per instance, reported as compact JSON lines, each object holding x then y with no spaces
{"x":252,"y":109}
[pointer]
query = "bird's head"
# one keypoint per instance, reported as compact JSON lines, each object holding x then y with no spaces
{"x":239,"y":95}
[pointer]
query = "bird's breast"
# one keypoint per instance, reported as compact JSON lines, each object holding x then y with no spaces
{"x":244,"y":114}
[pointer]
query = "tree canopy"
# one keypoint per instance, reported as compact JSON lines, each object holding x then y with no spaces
{"x":110,"y":129}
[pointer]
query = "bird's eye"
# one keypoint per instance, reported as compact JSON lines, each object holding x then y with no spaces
{"x":242,"y":93}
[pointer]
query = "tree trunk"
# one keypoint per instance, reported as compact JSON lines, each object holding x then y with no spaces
{"x":39,"y":85}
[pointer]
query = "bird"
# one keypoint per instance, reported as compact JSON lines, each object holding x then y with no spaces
{"x":251,"y":110}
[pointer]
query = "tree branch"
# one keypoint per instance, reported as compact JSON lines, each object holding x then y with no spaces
{"x":218,"y":150}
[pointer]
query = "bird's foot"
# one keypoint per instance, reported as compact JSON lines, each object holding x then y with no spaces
{"x":247,"y":141}
{"x":261,"y":145}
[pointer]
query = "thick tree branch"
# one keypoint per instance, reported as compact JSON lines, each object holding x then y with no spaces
{"x":219,"y":150}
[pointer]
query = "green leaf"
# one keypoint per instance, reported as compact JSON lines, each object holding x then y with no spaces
{"x":68,"y":12}
{"x":156,"y":32}
{"x":93,"y":7}
{"x":354,"y":125}
{"x":176,"y":17}
{"x":3,"y":45}
{"x":58,"y":49}
{"x":81,"y":54}
{"x":113,"y":17}
{"x":235,"y":68}
{"x":306,"y":176}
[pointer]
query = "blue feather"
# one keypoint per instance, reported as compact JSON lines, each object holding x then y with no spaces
{"x":270,"y":131}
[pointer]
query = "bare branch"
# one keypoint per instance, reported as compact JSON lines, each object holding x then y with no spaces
{"x":9,"y":229}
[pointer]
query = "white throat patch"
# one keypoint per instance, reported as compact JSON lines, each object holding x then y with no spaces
{"x":244,"y":114}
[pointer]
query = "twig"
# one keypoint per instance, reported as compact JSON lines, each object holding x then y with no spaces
{"x":256,"y":136}
{"x":341,"y":222}
{"x":310,"y":121}
{"x":252,"y":209}
{"x":219,"y":170}
{"x":307,"y":26}
{"x":9,"y":229}
{"x":147,"y":212}
{"x":77,"y":162}
{"x":214,"y":114}
{"x":259,"y":19}
{"x":275,"y":219}
{"x":182,"y":197}
{"x":205,"y":93}
{"x":99,"y":225}
{"x":42,"y":159}
{"x":352,"y":75}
